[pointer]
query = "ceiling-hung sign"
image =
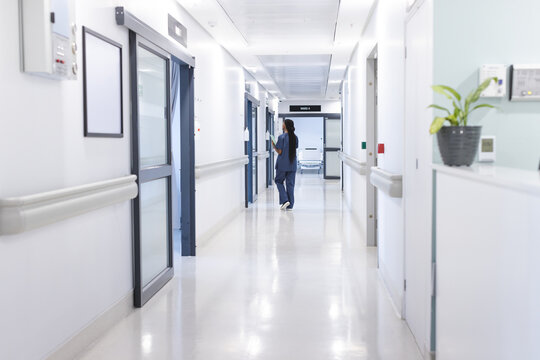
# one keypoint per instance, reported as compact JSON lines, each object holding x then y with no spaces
{"x":300,"y":108}
{"x":177,"y":31}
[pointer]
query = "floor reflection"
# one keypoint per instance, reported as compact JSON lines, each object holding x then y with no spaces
{"x":274,"y":285}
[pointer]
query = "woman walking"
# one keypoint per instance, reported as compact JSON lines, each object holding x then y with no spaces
{"x":286,"y":165}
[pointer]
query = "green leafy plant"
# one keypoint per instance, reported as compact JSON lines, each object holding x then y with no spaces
{"x":462,"y":109}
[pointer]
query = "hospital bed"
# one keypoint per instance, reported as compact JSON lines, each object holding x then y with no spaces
{"x":310,"y":159}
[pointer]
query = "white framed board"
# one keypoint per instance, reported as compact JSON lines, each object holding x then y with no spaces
{"x":102,"y":83}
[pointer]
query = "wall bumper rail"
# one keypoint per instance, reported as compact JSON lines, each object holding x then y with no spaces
{"x":388,"y":183}
{"x":263,"y":155}
{"x":20,"y":214}
{"x":355,"y":164}
{"x":219,"y":166}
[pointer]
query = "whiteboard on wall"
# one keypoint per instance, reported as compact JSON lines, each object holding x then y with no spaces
{"x":102,"y":74}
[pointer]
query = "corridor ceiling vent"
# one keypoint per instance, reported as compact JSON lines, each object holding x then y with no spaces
{"x":296,"y":49}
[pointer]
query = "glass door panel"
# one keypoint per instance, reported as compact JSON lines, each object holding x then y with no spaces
{"x":151,"y":147}
{"x":332,"y":133}
{"x":154,"y":217}
{"x":153,"y":122}
{"x":333,"y":164}
{"x":332,"y":145}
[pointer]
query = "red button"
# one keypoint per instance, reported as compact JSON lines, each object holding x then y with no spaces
{"x":380,"y":149}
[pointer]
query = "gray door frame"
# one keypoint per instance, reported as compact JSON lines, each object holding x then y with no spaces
{"x":329,"y":149}
{"x":371,"y":131}
{"x":144,"y":292}
{"x":158,"y":43}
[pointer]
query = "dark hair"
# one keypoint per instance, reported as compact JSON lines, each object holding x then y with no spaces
{"x":289,"y":125}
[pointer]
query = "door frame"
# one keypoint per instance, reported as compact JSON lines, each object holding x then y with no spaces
{"x":371,"y":145}
{"x":418,"y":157}
{"x":330,"y":149}
{"x":255,"y":153}
{"x":250,"y":103}
{"x":269,"y":161}
{"x":142,"y":292}
{"x":138,"y":29}
{"x":187,"y":161}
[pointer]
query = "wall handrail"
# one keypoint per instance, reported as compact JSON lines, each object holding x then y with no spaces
{"x":24,"y":213}
{"x":355,"y":164}
{"x":389,"y":183}
{"x":263,"y":155}
{"x":221,"y":165}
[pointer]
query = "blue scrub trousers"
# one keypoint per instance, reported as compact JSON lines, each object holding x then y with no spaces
{"x":289,"y":178}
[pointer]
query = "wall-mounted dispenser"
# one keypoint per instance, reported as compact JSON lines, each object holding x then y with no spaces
{"x":48,"y":42}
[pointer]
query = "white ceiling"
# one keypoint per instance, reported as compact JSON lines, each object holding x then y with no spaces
{"x":299,"y":76}
{"x":297,"y":49}
{"x":262,"y":21}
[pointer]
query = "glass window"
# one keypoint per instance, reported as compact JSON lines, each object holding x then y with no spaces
{"x":152,"y":91}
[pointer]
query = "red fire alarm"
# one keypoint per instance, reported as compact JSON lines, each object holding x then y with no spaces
{"x":380,"y":149}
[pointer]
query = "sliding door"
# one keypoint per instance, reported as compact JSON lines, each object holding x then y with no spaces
{"x":151,"y":161}
{"x":254,"y":144}
{"x":332,"y":145}
{"x":270,"y":159}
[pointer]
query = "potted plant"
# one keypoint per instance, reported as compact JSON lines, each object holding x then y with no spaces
{"x":458,"y":143}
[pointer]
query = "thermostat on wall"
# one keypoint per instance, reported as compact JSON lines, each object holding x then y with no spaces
{"x":486,"y":151}
{"x":495,"y":89}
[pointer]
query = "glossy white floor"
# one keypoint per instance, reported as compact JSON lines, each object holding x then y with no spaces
{"x":271,"y":285}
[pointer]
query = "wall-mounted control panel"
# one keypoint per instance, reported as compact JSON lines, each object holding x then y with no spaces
{"x":48,"y":38}
{"x":495,"y":89}
{"x":525,"y":83}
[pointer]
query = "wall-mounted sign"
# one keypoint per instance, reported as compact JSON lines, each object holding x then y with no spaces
{"x":177,"y":31}
{"x":301,"y":108}
{"x":102,"y":86}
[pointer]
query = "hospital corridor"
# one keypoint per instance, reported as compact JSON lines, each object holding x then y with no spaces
{"x":269,"y":180}
{"x":271,"y":285}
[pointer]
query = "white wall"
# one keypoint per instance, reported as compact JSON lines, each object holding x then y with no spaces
{"x":487,"y":266}
{"x":57,"y":279}
{"x":309,"y":131}
{"x":516,"y":125}
{"x":219,"y":110}
{"x":386,"y":30}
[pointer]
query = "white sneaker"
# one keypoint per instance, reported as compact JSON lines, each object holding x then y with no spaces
{"x":285,"y":205}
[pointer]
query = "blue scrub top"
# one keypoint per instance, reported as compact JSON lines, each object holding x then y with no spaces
{"x":283,"y":163}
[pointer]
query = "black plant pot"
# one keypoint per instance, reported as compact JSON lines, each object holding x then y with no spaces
{"x":458,"y":144}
